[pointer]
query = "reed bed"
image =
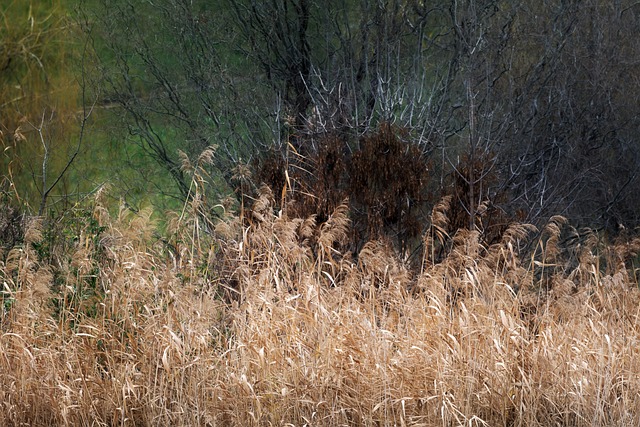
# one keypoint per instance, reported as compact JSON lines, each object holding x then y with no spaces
{"x":263,"y":320}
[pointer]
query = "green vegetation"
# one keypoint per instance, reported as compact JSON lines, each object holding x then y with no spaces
{"x":39,"y":98}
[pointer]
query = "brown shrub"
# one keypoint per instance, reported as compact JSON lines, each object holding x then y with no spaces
{"x":384,"y":176}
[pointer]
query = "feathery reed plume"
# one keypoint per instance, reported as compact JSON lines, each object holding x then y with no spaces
{"x":335,"y":229}
{"x":517,"y":232}
{"x":505,"y":256}
{"x":242,"y":178}
{"x":620,"y":257}
{"x":262,"y":205}
{"x":185,"y":162}
{"x":551,"y":232}
{"x":33,"y":231}
{"x":436,"y":237}
{"x":307,"y":227}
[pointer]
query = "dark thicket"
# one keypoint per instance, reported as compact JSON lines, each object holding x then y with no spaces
{"x":384,"y":176}
{"x":388,"y":182}
{"x":489,"y":214}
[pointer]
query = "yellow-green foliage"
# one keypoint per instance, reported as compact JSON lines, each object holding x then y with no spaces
{"x":37,"y":89}
{"x":261,"y":321}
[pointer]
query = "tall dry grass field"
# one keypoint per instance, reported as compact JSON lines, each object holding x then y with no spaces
{"x":264,"y":321}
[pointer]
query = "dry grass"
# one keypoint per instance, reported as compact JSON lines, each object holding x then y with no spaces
{"x":266,"y":322}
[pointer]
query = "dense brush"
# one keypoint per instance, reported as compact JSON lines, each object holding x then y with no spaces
{"x":263,"y":320}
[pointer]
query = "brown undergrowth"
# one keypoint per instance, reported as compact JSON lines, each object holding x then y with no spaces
{"x":265,"y":320}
